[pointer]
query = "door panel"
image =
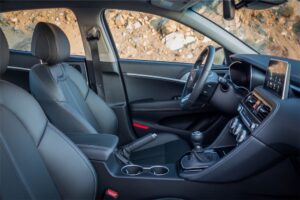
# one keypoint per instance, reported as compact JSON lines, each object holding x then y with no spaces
{"x":153,"y":90}
{"x":165,"y":80}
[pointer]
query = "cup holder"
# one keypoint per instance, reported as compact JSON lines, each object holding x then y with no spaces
{"x":132,"y":170}
{"x":159,"y":170}
{"x":135,"y":170}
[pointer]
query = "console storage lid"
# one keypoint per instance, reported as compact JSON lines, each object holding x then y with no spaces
{"x":96,"y":146}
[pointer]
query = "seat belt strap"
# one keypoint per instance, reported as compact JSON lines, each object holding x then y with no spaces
{"x":96,"y":82}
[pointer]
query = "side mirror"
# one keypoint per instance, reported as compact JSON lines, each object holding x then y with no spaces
{"x":228,"y":9}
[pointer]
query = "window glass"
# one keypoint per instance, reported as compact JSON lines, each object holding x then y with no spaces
{"x":18,"y":27}
{"x":145,"y":36}
{"x":274,"y":31}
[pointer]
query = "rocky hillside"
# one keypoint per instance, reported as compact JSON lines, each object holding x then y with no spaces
{"x":18,"y":27}
{"x":273,"y":31}
{"x":145,"y":36}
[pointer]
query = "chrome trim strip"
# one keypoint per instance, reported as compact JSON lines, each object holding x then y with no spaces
{"x":18,"y":68}
{"x":185,"y":76}
{"x":161,"y":78}
{"x":297,"y":89}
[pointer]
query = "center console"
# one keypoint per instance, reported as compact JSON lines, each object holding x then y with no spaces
{"x":240,"y":151}
{"x":245,"y":135}
{"x":253,"y":110}
{"x":235,"y":155}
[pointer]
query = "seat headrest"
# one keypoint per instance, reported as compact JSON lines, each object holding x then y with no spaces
{"x":50,"y":43}
{"x":4,"y":53}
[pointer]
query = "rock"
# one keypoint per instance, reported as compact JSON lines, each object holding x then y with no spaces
{"x":206,"y":40}
{"x":14,"y":19}
{"x":168,"y":27}
{"x":284,"y":33}
{"x":282,"y":20}
{"x":189,"y":40}
{"x":129,"y":27}
{"x":157,"y":23}
{"x":137,"y":25}
{"x":119,"y":20}
{"x":174,"y":41}
{"x":190,"y":56}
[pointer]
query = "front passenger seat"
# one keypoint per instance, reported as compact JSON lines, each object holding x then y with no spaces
{"x":37,"y":161}
{"x":73,"y":107}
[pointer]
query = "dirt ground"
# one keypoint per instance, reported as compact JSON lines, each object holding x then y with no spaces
{"x":145,"y":36}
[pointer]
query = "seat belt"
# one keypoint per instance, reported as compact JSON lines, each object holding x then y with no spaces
{"x":95,"y":82}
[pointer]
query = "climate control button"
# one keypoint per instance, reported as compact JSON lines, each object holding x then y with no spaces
{"x":238,"y":130}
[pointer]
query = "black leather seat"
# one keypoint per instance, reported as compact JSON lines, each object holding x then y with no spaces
{"x":73,"y":107}
{"x":37,"y":161}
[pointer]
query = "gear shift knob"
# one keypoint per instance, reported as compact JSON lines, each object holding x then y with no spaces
{"x":197,"y":140}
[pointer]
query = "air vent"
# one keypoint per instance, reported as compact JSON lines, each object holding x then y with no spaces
{"x":251,"y":101}
{"x":262,"y":112}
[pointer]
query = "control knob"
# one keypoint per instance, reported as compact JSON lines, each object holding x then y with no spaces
{"x":233,"y":125}
{"x":241,"y":136}
{"x":237,"y":131}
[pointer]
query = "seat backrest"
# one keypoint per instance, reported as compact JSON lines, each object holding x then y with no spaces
{"x":37,"y":161}
{"x":61,"y":90}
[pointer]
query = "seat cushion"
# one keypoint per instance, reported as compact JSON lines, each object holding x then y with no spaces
{"x":167,"y":148}
{"x":40,"y":161}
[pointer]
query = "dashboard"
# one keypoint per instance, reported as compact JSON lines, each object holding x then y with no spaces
{"x":270,"y":110}
{"x":246,"y":75}
{"x":250,"y":71}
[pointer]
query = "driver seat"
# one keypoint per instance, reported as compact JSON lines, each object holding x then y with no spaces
{"x":74,"y":108}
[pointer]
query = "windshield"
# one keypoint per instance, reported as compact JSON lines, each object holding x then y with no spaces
{"x":274,"y":31}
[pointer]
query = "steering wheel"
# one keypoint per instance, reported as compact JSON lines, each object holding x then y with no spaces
{"x":197,"y":77}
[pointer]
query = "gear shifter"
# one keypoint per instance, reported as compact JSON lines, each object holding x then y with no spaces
{"x":197,"y":140}
{"x":199,"y":158}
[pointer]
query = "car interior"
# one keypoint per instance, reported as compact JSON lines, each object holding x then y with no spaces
{"x":98,"y":126}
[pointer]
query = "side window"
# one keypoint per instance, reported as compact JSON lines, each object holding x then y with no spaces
{"x":18,"y":27}
{"x":146,"y":36}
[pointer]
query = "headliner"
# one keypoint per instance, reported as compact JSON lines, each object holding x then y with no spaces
{"x":10,"y":5}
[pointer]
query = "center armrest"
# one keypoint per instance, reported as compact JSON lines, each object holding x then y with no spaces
{"x":96,"y":146}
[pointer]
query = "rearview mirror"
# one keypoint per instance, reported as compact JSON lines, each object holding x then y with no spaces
{"x":261,"y":4}
{"x":229,"y":6}
{"x":228,"y":9}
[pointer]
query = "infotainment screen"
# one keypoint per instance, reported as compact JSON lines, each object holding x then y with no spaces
{"x":278,"y":78}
